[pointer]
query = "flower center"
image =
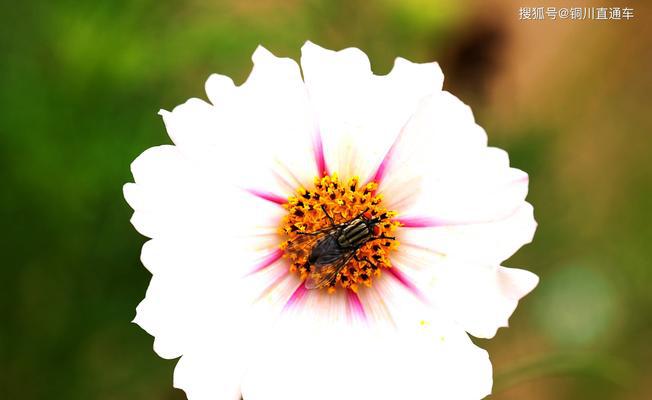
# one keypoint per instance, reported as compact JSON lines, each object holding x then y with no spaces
{"x":338,"y":235}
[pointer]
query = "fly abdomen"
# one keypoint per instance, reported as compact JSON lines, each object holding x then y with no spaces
{"x":354,"y":235}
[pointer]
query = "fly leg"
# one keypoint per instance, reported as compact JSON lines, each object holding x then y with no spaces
{"x":383,"y":236}
{"x":308,"y":233}
{"x":366,"y":259}
{"x":323,"y":207}
{"x":365,"y":275}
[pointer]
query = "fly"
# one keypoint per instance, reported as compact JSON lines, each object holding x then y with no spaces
{"x":331,"y":248}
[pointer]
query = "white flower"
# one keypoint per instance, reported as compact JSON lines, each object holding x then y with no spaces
{"x":228,"y":205}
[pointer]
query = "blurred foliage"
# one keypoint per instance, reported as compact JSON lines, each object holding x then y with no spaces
{"x":80,"y":84}
{"x":576,"y":306}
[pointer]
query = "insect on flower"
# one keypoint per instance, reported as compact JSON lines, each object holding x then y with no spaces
{"x":334,"y":246}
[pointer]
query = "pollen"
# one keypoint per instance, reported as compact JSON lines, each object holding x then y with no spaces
{"x":308,"y":221}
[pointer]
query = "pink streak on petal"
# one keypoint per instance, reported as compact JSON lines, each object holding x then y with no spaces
{"x":355,"y":305}
{"x":422,"y":222}
{"x":296,"y":297}
{"x":382,"y":168}
{"x":320,"y":159}
{"x":403,"y":280}
{"x":384,"y":164}
{"x":267,"y":261}
{"x":432,"y":222}
{"x":271,"y":197}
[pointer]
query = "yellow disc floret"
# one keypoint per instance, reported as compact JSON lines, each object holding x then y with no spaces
{"x":306,"y":215}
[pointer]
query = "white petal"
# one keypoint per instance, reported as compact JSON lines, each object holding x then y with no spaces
{"x":165,"y":197}
{"x":271,"y":126}
{"x":480,"y":298}
{"x":192,"y":285}
{"x":258,"y":135}
{"x":194,"y":127}
{"x":202,"y":304}
{"x":205,"y":375}
{"x":442,"y":161}
{"x":306,"y":356}
{"x":442,"y":177}
{"x":487,"y":242}
{"x":176,"y":195}
{"x":360,"y":114}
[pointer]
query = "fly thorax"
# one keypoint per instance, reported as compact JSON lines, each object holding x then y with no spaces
{"x":355,"y":234}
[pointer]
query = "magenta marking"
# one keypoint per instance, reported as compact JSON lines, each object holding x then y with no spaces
{"x":267,"y":261}
{"x":382,"y":167}
{"x":403,"y":280}
{"x":355,"y":305}
{"x":384,"y":164}
{"x":296,"y":297}
{"x":432,"y":222}
{"x":320,"y":159}
{"x":271,"y":197}
{"x":422,"y":222}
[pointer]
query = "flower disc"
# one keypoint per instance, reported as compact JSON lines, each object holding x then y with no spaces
{"x":307,"y":221}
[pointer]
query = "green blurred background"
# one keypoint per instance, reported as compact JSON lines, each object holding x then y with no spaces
{"x":80,"y":85}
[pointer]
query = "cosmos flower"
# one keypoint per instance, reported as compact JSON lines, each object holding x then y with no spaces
{"x":321,"y":232}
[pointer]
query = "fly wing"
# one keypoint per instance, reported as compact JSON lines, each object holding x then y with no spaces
{"x":322,"y":275}
{"x":304,"y":242}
